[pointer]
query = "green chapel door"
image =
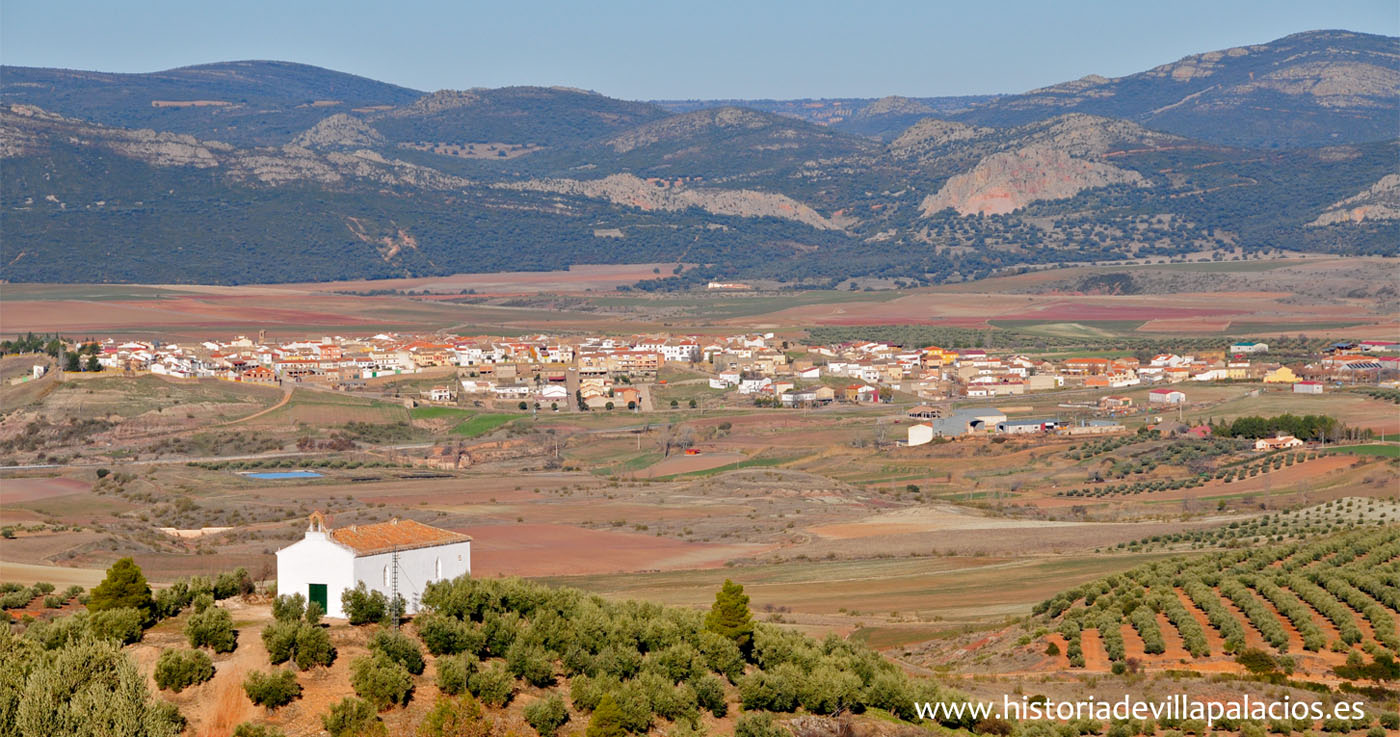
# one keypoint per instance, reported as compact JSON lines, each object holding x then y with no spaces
{"x":317,"y":593}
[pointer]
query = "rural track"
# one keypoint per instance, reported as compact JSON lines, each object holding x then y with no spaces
{"x":286,"y":397}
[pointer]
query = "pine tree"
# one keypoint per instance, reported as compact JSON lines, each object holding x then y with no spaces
{"x":607,"y":720}
{"x":730,"y":616}
{"x":124,"y":587}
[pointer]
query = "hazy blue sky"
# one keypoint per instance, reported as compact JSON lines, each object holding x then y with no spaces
{"x":660,"y":49}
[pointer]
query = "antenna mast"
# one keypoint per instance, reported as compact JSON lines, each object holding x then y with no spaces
{"x":394,"y":585}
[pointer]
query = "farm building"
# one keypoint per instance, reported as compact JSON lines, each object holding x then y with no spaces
{"x":967,"y":422}
{"x":1166,"y":396}
{"x":920,"y":433}
{"x":1307,"y":387}
{"x":399,"y":555}
{"x":1277,"y":443}
{"x":1025,"y":427}
{"x":1249,"y":346}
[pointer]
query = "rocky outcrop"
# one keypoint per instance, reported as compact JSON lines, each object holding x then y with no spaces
{"x":688,"y":125}
{"x":25,"y":129}
{"x":28,"y":131}
{"x":339,"y":131}
{"x":1007,"y":181}
{"x":660,"y":194}
{"x":1379,"y":202}
{"x":934,"y":132}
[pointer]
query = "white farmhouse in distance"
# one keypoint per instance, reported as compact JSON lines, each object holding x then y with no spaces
{"x":405,"y":554}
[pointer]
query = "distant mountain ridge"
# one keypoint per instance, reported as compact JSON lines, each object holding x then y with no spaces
{"x":269,"y":171}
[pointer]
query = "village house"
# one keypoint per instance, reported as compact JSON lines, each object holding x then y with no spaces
{"x":1281,"y":375}
{"x":398,"y":556}
{"x":1280,"y":442}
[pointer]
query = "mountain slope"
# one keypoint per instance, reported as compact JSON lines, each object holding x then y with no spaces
{"x":241,"y":102}
{"x":1312,"y":88}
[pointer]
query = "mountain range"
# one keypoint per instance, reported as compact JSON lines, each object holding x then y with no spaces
{"x":270,"y":171}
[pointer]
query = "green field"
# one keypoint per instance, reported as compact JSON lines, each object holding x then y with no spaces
{"x":1384,"y":451}
{"x":439,"y":413}
{"x":481,"y":424}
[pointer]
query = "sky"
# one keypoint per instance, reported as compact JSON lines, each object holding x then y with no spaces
{"x":666,"y":49}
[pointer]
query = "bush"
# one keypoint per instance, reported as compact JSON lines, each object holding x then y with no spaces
{"x":122,"y":625}
{"x":456,"y":716}
{"x":272,"y":689}
{"x":249,"y":729}
{"x":709,"y":694}
{"x":401,"y":648}
{"x":494,"y":686}
{"x":444,"y":635}
{"x":363,"y":606}
{"x":233,"y":583}
{"x":381,"y":680}
{"x":547,"y":715}
{"x":759,"y":725}
{"x":530,"y":663}
{"x":288,"y":608}
{"x":177,"y":670}
{"x":350,"y":717}
{"x":212,"y":628}
{"x":306,"y":645}
{"x":453,"y":672}
{"x":606,"y":720}
{"x":77,"y":686}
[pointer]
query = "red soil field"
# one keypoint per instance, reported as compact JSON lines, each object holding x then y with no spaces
{"x":31,"y":490}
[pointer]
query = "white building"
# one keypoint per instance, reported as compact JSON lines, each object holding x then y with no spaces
{"x":1166,"y":396}
{"x":920,"y":433}
{"x":402,"y":553}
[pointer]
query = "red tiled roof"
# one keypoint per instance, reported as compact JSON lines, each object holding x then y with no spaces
{"x":396,"y":534}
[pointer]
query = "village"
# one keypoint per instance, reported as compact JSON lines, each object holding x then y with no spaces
{"x":543,"y":373}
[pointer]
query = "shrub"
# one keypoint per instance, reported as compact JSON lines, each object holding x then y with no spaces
{"x":313,"y":647}
{"x":709,"y":694}
{"x":212,"y":628}
{"x":77,"y":686}
{"x":363,"y":606}
{"x":381,"y":680}
{"x":249,"y":729}
{"x":494,"y":685}
{"x":233,"y":583}
{"x":530,"y":663}
{"x":176,"y":670}
{"x":456,"y":716}
{"x":350,"y":717}
{"x":547,"y":715}
{"x":272,"y":689}
{"x":606,"y":720}
{"x":401,"y":648}
{"x":306,"y":645}
{"x":444,"y":635}
{"x":288,"y":608}
{"x":122,"y":625}
{"x":453,"y":672}
{"x":759,"y":725}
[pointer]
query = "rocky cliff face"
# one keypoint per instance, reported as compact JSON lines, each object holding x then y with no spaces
{"x":1379,"y":202}
{"x":659,"y":194}
{"x":1007,"y":181}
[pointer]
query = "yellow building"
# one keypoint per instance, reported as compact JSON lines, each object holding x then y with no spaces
{"x":1280,"y":375}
